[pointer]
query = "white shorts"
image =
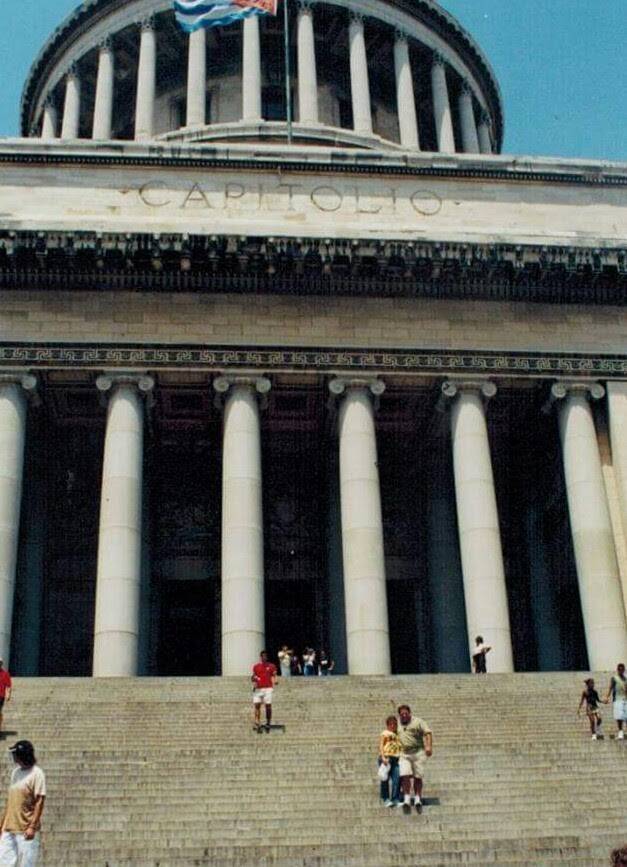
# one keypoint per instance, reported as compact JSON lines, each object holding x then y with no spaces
{"x":412,"y":764}
{"x":262,"y":696}
{"x":14,"y":849}
{"x":620,"y":710}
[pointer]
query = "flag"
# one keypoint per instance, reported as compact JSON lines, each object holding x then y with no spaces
{"x":194,"y":14}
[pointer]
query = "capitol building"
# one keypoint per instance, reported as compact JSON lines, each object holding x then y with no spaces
{"x":352,"y":378}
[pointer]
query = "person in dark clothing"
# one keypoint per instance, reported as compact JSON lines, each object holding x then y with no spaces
{"x":479,"y":654}
{"x":590,"y":697}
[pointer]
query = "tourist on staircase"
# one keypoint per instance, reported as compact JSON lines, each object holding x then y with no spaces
{"x":389,"y":752}
{"x":590,"y":697}
{"x":618,"y":691}
{"x":309,"y":662}
{"x":19,"y":837}
{"x":264,"y":680}
{"x":285,"y":661}
{"x":416,"y":746}
{"x":479,"y":656}
{"x":5,"y":689}
{"x":325,"y":664}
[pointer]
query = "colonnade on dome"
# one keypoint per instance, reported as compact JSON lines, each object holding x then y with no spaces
{"x":363,"y":75}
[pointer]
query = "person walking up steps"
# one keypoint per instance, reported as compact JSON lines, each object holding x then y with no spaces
{"x":591,"y":699}
{"x":19,"y":837}
{"x":416,"y":742}
{"x":617,"y":690}
{"x":264,"y":680}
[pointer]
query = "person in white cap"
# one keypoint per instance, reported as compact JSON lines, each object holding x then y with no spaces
{"x":21,"y":820}
{"x":5,"y":688}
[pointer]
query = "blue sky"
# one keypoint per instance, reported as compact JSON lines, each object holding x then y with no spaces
{"x":561,"y":66}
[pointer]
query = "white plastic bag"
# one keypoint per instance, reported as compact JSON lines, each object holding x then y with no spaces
{"x":383,"y":773}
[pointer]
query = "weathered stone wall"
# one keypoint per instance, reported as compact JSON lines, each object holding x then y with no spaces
{"x":301,"y":321}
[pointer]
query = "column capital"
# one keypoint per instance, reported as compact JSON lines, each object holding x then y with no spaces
{"x":485,"y":387}
{"x":340,"y":384}
{"x":105,"y":44}
{"x":357,"y":17}
{"x":147,"y":23}
{"x":562,"y":388}
{"x":466,"y":89}
{"x":438,"y":59}
{"x":306,"y":6}
{"x":484,"y":117}
{"x":223,"y":383}
{"x":19,"y":377}
{"x":109,"y":382}
{"x":72,"y":71}
{"x":400,"y":35}
{"x":49,"y":102}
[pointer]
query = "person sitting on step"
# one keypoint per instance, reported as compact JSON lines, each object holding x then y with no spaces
{"x":416,"y":742}
{"x":618,"y":691}
{"x":389,"y":751}
{"x":591,"y":699}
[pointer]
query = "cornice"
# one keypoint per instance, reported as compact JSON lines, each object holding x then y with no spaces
{"x":435,"y":165}
{"x":340,"y":361}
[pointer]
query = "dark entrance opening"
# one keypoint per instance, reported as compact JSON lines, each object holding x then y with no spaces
{"x":294,"y":465}
{"x":183,"y":542}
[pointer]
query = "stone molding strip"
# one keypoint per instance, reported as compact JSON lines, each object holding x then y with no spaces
{"x":341,"y":362}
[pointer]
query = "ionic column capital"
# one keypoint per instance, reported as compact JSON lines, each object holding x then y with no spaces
{"x":484,"y":387}
{"x":438,"y":59}
{"x":223,"y":383}
{"x":306,"y":6}
{"x":23,"y":378}
{"x":49,"y":103}
{"x":484,"y":117}
{"x":339,"y":385}
{"x":357,"y":17}
{"x":561,"y":389}
{"x":144,"y":384}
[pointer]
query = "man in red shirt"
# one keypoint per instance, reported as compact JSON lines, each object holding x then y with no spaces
{"x":5,"y":689}
{"x":264,"y":681}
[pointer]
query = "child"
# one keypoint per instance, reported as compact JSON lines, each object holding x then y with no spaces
{"x":389,"y":751}
{"x":591,"y":699}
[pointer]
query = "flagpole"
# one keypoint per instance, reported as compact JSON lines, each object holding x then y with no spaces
{"x":288,"y":89}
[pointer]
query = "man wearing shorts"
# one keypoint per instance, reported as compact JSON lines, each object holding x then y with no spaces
{"x":416,"y":746}
{"x":618,"y":692}
{"x":21,"y":820}
{"x":264,"y":680}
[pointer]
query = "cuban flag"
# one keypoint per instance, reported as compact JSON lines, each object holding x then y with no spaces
{"x":194,"y":14}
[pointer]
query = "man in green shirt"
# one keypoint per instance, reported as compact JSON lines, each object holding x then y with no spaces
{"x":416,"y":746}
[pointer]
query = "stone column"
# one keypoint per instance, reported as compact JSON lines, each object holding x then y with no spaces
{"x":197,"y":78}
{"x":593,"y":541}
{"x":405,"y":100}
{"x":251,"y":71}
{"x":50,"y":120}
{"x":146,"y":81}
{"x":483,"y":132}
{"x":367,"y":629}
{"x":243,"y":607}
{"x":360,"y":86}
{"x":307,"y":75}
{"x":442,"y":106}
{"x":470,"y":140}
{"x":118,"y":583}
{"x":13,"y":386}
{"x":103,"y":108}
{"x":487,"y":612}
{"x":72,"y":105}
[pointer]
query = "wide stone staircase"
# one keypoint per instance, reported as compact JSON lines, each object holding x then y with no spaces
{"x":158,"y":772}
